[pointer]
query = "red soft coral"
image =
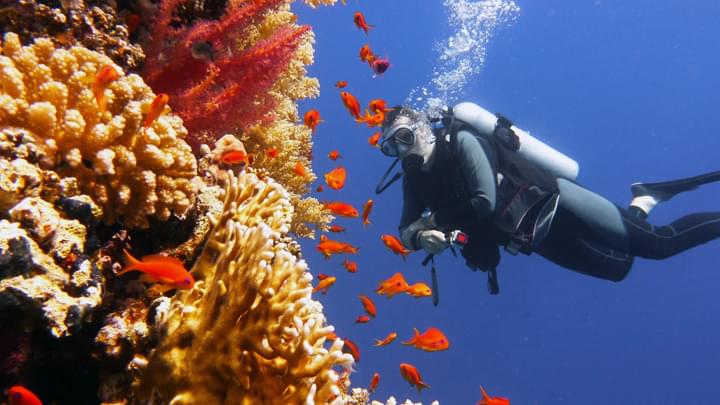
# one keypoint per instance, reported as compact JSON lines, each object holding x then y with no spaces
{"x":228,"y":92}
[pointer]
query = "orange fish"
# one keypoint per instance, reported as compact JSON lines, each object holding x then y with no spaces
{"x":331,"y":336}
{"x":369,"y":305}
{"x":372,"y":120}
{"x":366,"y":212}
{"x":342,"y":209}
{"x":418,"y":290}
{"x":412,"y":375}
{"x":362,"y":319}
{"x":380,"y":66}
{"x":335,"y":178}
{"x":334,"y":155}
{"x":351,"y":103}
{"x":374,"y":382}
{"x":488,"y":400}
{"x":319,"y":188}
{"x":341,"y":84}
{"x":378,"y":105}
{"x":373,"y":140}
{"x":353,"y":348}
{"x":322,"y":276}
{"x":359,"y":20}
{"x":394,"y":244}
{"x":235,"y":157}
{"x":166,"y":270}
{"x":299,"y":169}
{"x":156,"y":108}
{"x":271,"y":152}
{"x":366,"y":54}
{"x":19,"y":395}
{"x":312,"y":119}
{"x":103,"y":78}
{"x":325,"y":284}
{"x":350,"y":266}
{"x":388,"y":339}
{"x":394,"y":285}
{"x":432,"y":340}
{"x":329,"y":247}
{"x":337,"y":229}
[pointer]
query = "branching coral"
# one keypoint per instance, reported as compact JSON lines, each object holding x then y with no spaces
{"x":249,"y":332}
{"x":131,"y":171}
{"x":93,"y":24}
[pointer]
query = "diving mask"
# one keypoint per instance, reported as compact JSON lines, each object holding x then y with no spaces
{"x":402,"y":134}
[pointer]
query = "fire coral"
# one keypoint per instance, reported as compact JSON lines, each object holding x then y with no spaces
{"x":218,"y":81}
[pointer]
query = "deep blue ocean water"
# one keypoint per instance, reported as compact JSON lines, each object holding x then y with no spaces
{"x":629,"y":89}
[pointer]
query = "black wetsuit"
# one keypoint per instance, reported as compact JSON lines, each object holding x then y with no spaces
{"x":588,"y":233}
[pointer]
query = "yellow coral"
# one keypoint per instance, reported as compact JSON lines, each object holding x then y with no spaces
{"x":131,"y":172}
{"x":249,"y":332}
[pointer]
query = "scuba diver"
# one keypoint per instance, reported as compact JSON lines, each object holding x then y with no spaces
{"x":480,"y":174}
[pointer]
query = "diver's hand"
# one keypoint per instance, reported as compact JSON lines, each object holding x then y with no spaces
{"x":432,"y":241}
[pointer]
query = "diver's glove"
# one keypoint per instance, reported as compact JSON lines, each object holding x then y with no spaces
{"x":409,"y":236}
{"x":434,"y":242}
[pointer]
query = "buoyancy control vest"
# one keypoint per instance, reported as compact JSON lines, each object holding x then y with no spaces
{"x":527,"y":194}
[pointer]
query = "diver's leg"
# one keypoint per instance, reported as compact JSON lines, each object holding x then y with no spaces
{"x":647,"y":195}
{"x":659,"y":242}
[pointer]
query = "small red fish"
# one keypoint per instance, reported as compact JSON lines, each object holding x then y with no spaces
{"x":362,"y":319}
{"x":132,"y":21}
{"x":312,"y":119}
{"x":19,"y":395}
{"x":394,"y":244}
{"x":337,"y":228}
{"x":320,"y":188}
{"x":103,"y":79}
{"x":334,"y":155}
{"x":432,"y":340}
{"x":369,"y":305}
{"x":488,"y":400}
{"x":235,"y":157}
{"x":380,"y":66}
{"x":394,"y":285}
{"x":331,"y":336}
{"x":351,"y":103}
{"x":350,"y":266}
{"x":335,"y":178}
{"x":373,"y":140}
{"x":156,"y":108}
{"x":166,"y":270}
{"x":366,"y":212}
{"x":329,"y":247}
{"x":342,"y":209}
{"x":372,"y":120}
{"x":341,"y":84}
{"x":378,"y":105}
{"x":299,"y":169}
{"x":374,"y":382}
{"x":353,"y":348}
{"x":322,"y":276}
{"x":418,"y":290}
{"x":271,"y":152}
{"x":366,"y":54}
{"x":388,"y":339}
{"x":359,"y":20}
{"x":412,"y":375}
{"x":325,"y":284}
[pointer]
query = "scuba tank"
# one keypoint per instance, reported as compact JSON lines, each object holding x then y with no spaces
{"x":531,"y":148}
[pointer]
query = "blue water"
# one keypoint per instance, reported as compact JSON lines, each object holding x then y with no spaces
{"x":629,"y":90}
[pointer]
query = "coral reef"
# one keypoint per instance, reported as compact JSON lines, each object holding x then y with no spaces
{"x":249,"y":332}
{"x":92,"y":24}
{"x":130,"y":171}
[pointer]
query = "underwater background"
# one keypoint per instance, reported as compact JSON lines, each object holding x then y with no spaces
{"x":627,"y":89}
{"x":175,"y":127}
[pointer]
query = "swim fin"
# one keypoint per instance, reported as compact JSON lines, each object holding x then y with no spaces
{"x":647,"y":195}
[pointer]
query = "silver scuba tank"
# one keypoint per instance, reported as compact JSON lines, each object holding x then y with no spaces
{"x":531,"y":148}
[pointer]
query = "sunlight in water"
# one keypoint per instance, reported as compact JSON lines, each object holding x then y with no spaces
{"x":462,"y":55}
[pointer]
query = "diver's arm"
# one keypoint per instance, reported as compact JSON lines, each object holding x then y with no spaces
{"x":479,"y":177}
{"x":411,"y":211}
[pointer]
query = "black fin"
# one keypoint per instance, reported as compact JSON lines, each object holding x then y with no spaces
{"x":665,"y":190}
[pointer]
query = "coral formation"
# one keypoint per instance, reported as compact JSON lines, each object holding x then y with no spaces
{"x":130,"y":171}
{"x":249,"y":332}
{"x":90,"y":23}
